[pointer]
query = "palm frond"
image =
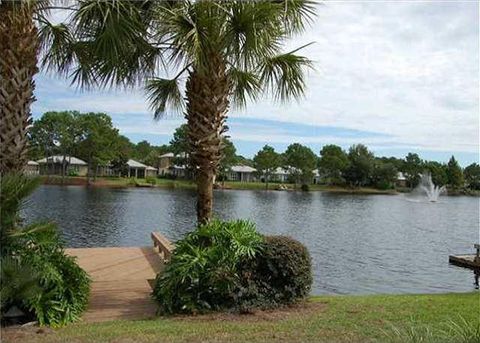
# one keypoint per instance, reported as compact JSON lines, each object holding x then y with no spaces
{"x":253,"y":30}
{"x":284,"y":75}
{"x":297,"y":14}
{"x":244,"y":84}
{"x":116,"y":34}
{"x":163,"y":94}
{"x":56,"y":43}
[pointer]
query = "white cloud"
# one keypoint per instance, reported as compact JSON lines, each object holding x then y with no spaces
{"x":406,"y":69}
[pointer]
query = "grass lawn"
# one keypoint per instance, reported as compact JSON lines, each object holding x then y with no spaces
{"x":321,"y":319}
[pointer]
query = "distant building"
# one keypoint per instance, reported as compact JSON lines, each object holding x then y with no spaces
{"x":401,"y":180}
{"x":32,"y":168}
{"x":165,"y":162}
{"x":316,"y":176}
{"x":242,"y":174}
{"x":140,"y":170}
{"x":53,"y":165}
{"x":167,"y":166}
{"x":280,"y":174}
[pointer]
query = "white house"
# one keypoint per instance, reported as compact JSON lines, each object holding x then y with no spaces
{"x":52,"y":165}
{"x":280,"y":174}
{"x":242,"y":173}
{"x":140,"y":170}
{"x":32,"y":168}
{"x":316,"y":176}
{"x":401,"y":180}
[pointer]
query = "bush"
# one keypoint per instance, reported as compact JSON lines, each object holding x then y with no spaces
{"x":37,"y":276}
{"x":151,"y":180}
{"x":202,"y":274}
{"x":305,"y":187}
{"x":65,"y":287}
{"x":280,"y":274}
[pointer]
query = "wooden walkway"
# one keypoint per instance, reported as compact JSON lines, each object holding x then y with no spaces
{"x":121,"y":279}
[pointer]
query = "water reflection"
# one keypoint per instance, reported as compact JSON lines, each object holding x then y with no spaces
{"x":359,"y":244}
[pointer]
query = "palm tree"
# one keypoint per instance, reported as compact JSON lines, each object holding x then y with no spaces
{"x":220,"y":53}
{"x":18,"y":62}
{"x":24,"y":33}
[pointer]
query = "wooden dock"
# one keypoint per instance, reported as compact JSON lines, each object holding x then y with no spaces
{"x":467,"y":260}
{"x":122,"y":280}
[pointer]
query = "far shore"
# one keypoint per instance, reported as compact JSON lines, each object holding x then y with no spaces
{"x":119,"y":182}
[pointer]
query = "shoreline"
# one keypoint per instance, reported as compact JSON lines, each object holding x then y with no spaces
{"x":114,"y":182}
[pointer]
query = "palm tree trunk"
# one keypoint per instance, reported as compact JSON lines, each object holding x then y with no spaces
{"x":18,"y":64}
{"x":207,"y":93}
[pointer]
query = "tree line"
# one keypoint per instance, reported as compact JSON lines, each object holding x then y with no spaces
{"x":93,"y":138}
{"x":359,"y":167}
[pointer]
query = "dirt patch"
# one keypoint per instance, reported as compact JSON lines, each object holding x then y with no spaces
{"x":287,"y":312}
{"x":23,"y":333}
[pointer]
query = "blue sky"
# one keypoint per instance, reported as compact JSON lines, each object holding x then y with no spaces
{"x":397,"y":76}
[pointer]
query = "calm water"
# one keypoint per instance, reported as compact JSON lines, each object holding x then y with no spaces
{"x":359,"y":244}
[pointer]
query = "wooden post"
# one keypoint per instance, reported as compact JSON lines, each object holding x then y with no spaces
{"x":477,"y":255}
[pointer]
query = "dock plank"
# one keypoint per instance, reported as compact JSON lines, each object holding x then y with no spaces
{"x":120,"y":288}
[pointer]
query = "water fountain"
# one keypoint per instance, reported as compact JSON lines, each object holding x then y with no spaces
{"x":428,"y":188}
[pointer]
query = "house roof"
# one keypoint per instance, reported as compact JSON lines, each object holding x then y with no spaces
{"x":243,"y":169}
{"x":59,"y":159}
{"x":168,"y":154}
{"x":135,"y":164}
{"x":280,"y":171}
{"x":171,"y":155}
{"x":150,"y":168}
{"x":32,"y":163}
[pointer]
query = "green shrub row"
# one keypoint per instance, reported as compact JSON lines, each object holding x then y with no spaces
{"x":230,"y":266}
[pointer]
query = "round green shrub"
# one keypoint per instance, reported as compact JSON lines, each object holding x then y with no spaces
{"x":305,"y":187}
{"x":280,"y":274}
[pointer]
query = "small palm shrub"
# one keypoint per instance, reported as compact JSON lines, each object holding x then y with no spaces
{"x":280,"y":274}
{"x":37,"y":276}
{"x":202,"y":274}
{"x":65,"y":287}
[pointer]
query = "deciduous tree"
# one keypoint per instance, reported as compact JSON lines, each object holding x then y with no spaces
{"x":266,"y":161}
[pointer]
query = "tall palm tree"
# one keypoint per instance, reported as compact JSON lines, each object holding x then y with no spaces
{"x":24,"y":33}
{"x":220,"y":53}
{"x":18,"y":64}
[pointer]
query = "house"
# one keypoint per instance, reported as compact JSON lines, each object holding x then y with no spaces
{"x":165,"y":162}
{"x":167,"y":166}
{"x":140,"y":170}
{"x":316,"y":176}
{"x":242,"y":173}
{"x":32,"y":168}
{"x":53,"y":165}
{"x":280,"y":174}
{"x":401,"y":180}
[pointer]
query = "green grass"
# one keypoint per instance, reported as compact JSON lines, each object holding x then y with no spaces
{"x":379,"y":318}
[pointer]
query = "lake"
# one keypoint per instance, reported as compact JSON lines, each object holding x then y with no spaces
{"x":360,"y":244}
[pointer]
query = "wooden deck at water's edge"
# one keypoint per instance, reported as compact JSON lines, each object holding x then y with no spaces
{"x":121,"y":281}
{"x":465,"y":260}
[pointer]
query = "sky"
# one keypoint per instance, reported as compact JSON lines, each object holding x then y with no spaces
{"x":398,"y":76}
